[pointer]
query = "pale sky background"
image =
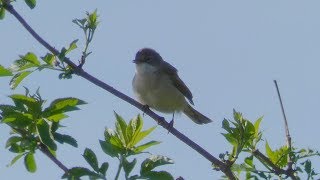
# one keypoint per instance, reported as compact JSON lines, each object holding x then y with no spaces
{"x":227,"y":52}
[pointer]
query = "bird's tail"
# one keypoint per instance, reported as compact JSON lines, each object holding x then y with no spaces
{"x":196,"y":116}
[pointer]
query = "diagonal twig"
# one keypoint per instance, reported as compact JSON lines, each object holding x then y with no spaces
{"x":44,"y":149}
{"x":288,"y":137}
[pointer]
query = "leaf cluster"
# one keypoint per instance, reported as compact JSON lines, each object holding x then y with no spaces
{"x":28,"y":63}
{"x":32,"y":125}
{"x":245,"y":136}
{"x":122,"y":143}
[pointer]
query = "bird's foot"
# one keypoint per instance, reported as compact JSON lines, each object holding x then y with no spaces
{"x":145,"y":108}
{"x":170,"y":125}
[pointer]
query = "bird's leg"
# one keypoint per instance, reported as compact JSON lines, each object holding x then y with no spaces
{"x":170,"y":126}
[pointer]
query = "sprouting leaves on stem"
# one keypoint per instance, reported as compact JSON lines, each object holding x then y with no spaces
{"x":88,"y":25}
{"x":32,"y":125}
{"x":122,"y":144}
{"x":124,"y":140}
{"x":241,"y":134}
{"x":29,"y":63}
{"x":245,"y":136}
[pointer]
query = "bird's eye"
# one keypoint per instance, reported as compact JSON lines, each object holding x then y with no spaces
{"x":147,"y":58}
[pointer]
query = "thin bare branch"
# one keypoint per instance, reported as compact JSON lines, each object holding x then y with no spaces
{"x":288,"y":137}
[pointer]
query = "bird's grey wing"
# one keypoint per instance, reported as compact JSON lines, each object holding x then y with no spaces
{"x":177,"y":82}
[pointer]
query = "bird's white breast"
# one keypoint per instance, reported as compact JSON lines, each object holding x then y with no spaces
{"x":155,"y":89}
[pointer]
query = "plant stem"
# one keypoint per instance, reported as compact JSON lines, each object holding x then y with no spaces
{"x":43,"y":148}
{"x":119,"y":170}
{"x":46,"y":151}
{"x":288,"y":137}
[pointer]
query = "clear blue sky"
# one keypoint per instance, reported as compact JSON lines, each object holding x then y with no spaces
{"x":227,"y":52}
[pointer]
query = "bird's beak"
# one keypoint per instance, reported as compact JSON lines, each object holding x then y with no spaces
{"x":134,"y":61}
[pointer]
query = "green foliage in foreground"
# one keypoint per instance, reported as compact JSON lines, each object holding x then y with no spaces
{"x":122,"y":143}
{"x":34,"y":126}
{"x":244,"y":136}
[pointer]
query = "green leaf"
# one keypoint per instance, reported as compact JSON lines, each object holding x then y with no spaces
{"x":109,"y":149}
{"x":15,"y":159}
{"x":55,"y":126}
{"x":133,"y":129}
{"x":23,"y":99}
{"x":153,"y":162}
{"x":28,"y":143}
{"x":62,"y":138}
{"x":78,"y":172}
{"x":249,"y":129}
{"x":128,"y":166}
{"x":8,"y":109}
{"x":18,"y":119}
{"x":257,"y":125}
{"x":237,"y":116}
{"x":32,"y":58}
{"x":248,"y":134}
{"x":232,"y":140}
{"x":80,"y":22}
{"x":161,"y":175}
{"x":112,"y":138}
{"x":307,"y":166}
{"x":45,"y":134}
{"x":72,"y":46}
{"x":49,"y":59}
{"x":141,"y":135}
{"x":121,"y":129}
{"x":31,"y":3}
{"x":309,"y":169}
{"x":62,"y":105}
{"x":249,"y":161}
{"x":142,"y":147}
{"x":91,"y":158}
{"x":65,"y":51}
{"x":279,"y":157}
{"x":2,"y":14}
{"x":33,"y":105}
{"x":4,"y":71}
{"x":30,"y":163}
{"x":269,"y":151}
{"x":27,"y":61}
{"x":17,"y":78}
{"x":13,"y":140}
{"x":57,"y":117}
{"x":104,"y":167}
{"x":62,"y":54}
{"x":15,"y":148}
{"x":226,"y":125}
{"x":93,"y":20}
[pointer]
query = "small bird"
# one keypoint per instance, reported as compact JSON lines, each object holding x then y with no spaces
{"x":157,"y":85}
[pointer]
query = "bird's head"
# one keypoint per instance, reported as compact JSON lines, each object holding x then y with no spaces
{"x":147,"y":55}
